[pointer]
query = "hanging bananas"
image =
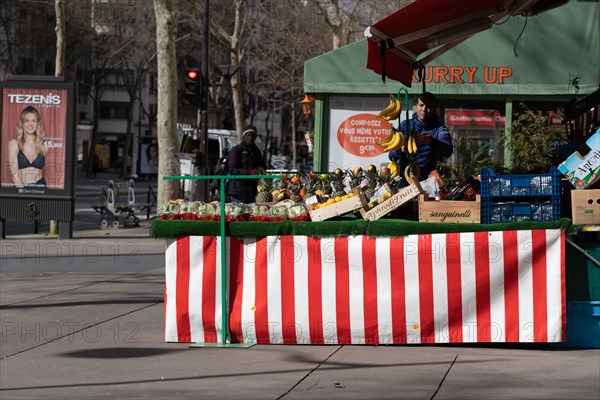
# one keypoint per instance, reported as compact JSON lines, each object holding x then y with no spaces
{"x":411,"y":145}
{"x":394,"y":141}
{"x":394,"y":169}
{"x":412,"y":170}
{"x":392,"y":111}
{"x":388,"y":109}
{"x":383,"y":143}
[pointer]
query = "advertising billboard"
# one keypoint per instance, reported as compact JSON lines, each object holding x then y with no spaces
{"x":36,"y":142}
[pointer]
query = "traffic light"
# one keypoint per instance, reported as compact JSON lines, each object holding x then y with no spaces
{"x":193,"y":86}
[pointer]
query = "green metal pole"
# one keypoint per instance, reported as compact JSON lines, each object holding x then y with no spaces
{"x":224,"y":280}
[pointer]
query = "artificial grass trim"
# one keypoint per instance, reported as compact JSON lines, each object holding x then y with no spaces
{"x":332,"y":228}
{"x":398,"y":227}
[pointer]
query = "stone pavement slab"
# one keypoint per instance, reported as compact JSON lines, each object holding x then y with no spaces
{"x":96,"y":331}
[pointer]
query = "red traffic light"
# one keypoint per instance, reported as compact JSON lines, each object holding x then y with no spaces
{"x":193,"y":86}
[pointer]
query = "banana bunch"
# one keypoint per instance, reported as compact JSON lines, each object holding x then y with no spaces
{"x":394,"y":141}
{"x":394,"y":168}
{"x":412,"y":170}
{"x":411,"y":145}
{"x":392,"y":111}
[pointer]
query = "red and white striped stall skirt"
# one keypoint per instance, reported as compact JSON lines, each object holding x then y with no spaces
{"x":506,"y":286}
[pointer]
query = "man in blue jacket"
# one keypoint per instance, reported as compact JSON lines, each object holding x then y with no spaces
{"x":432,"y":137}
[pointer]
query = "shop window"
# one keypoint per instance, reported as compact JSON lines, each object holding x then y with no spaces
{"x":477,"y":134}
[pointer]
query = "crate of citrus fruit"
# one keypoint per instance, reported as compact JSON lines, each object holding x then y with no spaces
{"x":321,"y":208}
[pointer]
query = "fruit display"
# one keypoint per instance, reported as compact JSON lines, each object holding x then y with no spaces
{"x":411,"y":144}
{"x":170,"y":210}
{"x":382,"y":194}
{"x":291,"y":196}
{"x":233,"y":212}
{"x":288,"y":210}
{"x":392,"y":111}
{"x":412,"y":170}
{"x":331,"y":200}
{"x":265,"y":212}
{"x":394,"y":141}
{"x":258,"y":212}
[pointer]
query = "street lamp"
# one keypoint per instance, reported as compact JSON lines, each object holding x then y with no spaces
{"x":306,"y":104}
{"x":227,"y":71}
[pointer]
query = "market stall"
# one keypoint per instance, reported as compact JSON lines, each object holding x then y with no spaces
{"x":485,"y":264}
{"x":467,"y":287}
{"x":347,"y":271}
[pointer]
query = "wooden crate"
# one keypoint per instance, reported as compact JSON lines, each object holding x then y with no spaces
{"x":403,"y":196}
{"x":449,"y":211}
{"x":338,"y":208}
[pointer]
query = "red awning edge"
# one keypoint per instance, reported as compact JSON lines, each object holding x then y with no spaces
{"x":418,"y":33}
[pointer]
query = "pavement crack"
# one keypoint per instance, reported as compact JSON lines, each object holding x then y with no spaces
{"x":72,"y":333}
{"x":310,"y":372}
{"x":444,"y":378}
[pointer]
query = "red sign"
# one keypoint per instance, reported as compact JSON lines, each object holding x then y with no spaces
{"x":359,"y":134}
{"x":474,"y":117}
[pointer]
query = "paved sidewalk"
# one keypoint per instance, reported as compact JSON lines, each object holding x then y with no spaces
{"x":91,"y":330}
{"x":83,"y":319}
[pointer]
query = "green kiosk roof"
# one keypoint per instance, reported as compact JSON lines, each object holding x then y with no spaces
{"x":555,"y":50}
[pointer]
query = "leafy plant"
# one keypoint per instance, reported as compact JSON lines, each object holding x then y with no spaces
{"x":532,"y":142}
{"x":470,"y":156}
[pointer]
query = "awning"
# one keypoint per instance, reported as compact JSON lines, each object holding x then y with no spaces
{"x":416,"y":34}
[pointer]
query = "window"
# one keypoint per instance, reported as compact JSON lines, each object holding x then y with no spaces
{"x":114,"y":110}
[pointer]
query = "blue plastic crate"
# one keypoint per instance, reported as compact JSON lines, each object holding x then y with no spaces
{"x":496,"y":213}
{"x":583,"y":324}
{"x":520,"y":187}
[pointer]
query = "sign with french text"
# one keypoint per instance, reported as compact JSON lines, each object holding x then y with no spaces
{"x":355,"y":130}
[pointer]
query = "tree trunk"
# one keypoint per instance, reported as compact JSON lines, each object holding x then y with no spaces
{"x":168,"y":138}
{"x":126,"y":164}
{"x":61,"y":47}
{"x":238,"y":101}
{"x":236,"y":59}
{"x":61,"y":40}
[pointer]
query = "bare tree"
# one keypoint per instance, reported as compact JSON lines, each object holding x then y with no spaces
{"x":95,"y":52}
{"x":61,"y":39}
{"x":168,"y":139}
{"x":339,"y":23}
{"x":134,"y":56}
{"x":59,"y":66}
{"x":236,"y":43}
{"x":284,"y":35}
{"x":348,"y":19}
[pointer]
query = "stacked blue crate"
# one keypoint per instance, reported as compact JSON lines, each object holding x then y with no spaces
{"x":518,"y":198}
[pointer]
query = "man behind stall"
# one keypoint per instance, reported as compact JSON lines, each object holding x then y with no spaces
{"x":245,"y":159}
{"x":434,"y":142}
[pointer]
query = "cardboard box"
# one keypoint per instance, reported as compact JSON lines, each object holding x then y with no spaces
{"x":403,"y":196}
{"x":585,"y":206}
{"x":583,"y":171}
{"x":449,"y":211}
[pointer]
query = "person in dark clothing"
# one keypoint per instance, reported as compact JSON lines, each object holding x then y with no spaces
{"x":245,"y":159}
{"x":220,"y":169}
{"x":432,"y":137}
